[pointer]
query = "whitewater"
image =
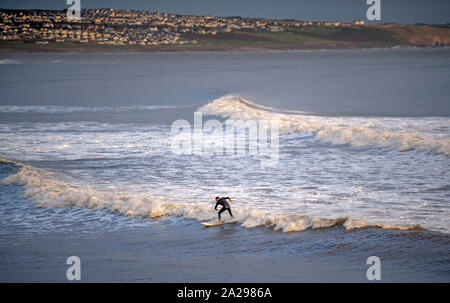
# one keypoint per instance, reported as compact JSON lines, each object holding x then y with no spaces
{"x":93,"y":132}
{"x":427,"y":135}
{"x":296,"y":206}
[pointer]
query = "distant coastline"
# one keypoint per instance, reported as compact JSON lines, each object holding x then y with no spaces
{"x":108,"y":30}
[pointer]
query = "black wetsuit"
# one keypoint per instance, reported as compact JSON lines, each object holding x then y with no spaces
{"x":225,"y":206}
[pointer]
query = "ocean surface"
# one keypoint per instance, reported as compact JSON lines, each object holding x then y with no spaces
{"x":363,"y":168}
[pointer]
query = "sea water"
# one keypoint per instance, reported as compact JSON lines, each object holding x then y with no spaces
{"x":85,"y":144}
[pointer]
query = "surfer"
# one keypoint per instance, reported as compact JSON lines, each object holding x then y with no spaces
{"x":225,"y":205}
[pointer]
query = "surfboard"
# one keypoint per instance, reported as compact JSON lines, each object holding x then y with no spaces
{"x":209,"y":224}
{"x":216,"y":223}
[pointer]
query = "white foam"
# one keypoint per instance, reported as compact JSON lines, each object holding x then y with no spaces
{"x":59,"y":109}
{"x":47,"y":190}
{"x":402,"y":134}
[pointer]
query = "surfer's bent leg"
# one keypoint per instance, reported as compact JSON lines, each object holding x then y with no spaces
{"x":221,"y":211}
{"x":229,"y":210}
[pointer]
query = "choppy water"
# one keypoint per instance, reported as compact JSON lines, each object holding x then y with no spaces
{"x":364,"y":139}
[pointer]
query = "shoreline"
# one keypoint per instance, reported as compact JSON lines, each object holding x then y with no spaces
{"x":100,"y":50}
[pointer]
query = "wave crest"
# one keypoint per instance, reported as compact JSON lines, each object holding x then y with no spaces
{"x":47,"y":190}
{"x":356,"y":132}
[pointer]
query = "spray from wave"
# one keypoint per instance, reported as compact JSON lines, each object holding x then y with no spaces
{"x":356,"y":132}
{"x":46,"y":190}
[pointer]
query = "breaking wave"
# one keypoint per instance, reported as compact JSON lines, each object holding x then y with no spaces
{"x":356,"y":132}
{"x":47,"y":190}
